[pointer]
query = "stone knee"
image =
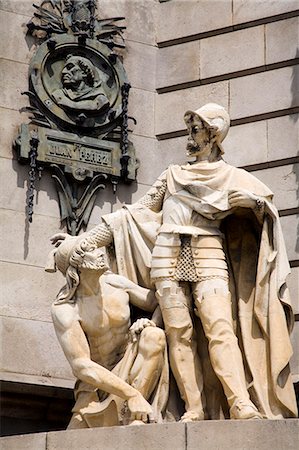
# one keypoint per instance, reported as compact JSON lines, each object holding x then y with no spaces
{"x":152,"y":341}
{"x":215,"y":311}
{"x":175,"y":306}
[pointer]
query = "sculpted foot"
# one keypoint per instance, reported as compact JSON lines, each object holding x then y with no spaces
{"x":244,"y":412}
{"x":192,"y":416}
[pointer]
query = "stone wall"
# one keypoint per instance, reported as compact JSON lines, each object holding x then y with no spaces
{"x":180,"y":54}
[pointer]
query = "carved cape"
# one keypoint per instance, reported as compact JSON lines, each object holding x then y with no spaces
{"x":258,"y":268}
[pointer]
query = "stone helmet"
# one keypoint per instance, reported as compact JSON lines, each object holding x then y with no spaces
{"x":215,"y":117}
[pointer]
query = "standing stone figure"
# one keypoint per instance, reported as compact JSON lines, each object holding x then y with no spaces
{"x":208,"y":237}
{"x":91,"y":316}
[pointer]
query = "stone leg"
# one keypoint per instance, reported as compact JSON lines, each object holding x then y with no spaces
{"x":184,"y":361}
{"x":147,"y":366}
{"x":213,"y":307}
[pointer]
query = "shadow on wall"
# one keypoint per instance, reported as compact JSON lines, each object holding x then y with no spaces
{"x":295,"y":117}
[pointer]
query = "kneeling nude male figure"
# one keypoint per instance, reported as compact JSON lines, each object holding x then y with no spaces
{"x":91,"y":316}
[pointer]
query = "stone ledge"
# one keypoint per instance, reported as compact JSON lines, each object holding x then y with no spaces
{"x":210,"y":435}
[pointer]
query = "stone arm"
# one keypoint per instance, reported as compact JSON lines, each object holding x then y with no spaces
{"x":76,"y":349}
{"x":141,"y":297}
{"x":246,"y":199}
{"x":154,"y":197}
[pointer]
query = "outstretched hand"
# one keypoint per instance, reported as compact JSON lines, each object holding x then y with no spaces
{"x":242,"y":199}
{"x":58,"y":238}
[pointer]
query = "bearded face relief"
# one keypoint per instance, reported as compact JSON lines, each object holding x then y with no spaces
{"x":82,"y":86}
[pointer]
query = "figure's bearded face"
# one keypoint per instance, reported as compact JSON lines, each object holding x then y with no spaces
{"x":199,"y":135}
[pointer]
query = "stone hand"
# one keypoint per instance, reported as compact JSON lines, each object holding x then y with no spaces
{"x":140,"y":409}
{"x":58,"y":238}
{"x":138,"y":326}
{"x":242,"y":199}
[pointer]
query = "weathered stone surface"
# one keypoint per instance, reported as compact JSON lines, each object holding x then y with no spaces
{"x":167,"y":437}
{"x":140,"y":64}
{"x":139,"y":15}
{"x":36,"y":441}
{"x":170,"y":107}
{"x":282,"y":40}
{"x":245,"y":11}
{"x":104,"y":204}
{"x":179,"y":18}
{"x":17,"y":6}
{"x":264,"y":92}
{"x":21,"y":242}
{"x":10,"y":120}
{"x":246,"y":144}
{"x":13,"y":81}
{"x":142,"y":107}
{"x":232,"y":52}
{"x":173,"y":151}
{"x":172,"y":64}
{"x":29,"y":300}
{"x":283,"y":181}
{"x":245,"y":435}
{"x":290,"y":232}
{"x":293,"y":285}
{"x":31,"y":347}
{"x":14,"y":48}
{"x":15,"y":177}
{"x":283,"y":137}
{"x":295,"y":358}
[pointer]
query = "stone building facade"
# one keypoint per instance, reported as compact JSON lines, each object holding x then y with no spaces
{"x":180,"y":54}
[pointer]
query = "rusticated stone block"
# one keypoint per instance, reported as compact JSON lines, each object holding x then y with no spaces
{"x":179,"y":18}
{"x":14,"y":45}
{"x":140,"y":65}
{"x":170,"y":107}
{"x":28,"y":300}
{"x":295,"y":358}
{"x":21,"y":242}
{"x":232,"y":52}
{"x":282,"y":40}
{"x":293,"y":285}
{"x":246,"y":11}
{"x":283,"y":137}
{"x":20,"y":7}
{"x":31,"y":347}
{"x":15,"y":177}
{"x":139,"y":15}
{"x":173,"y":61}
{"x":13,"y":81}
{"x":290,"y":226}
{"x":246,"y":144}
{"x":141,"y":107}
{"x":264,"y":92}
{"x":283,"y":181}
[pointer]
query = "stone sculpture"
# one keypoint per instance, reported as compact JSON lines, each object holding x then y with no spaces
{"x":91,"y":316}
{"x":207,"y":238}
{"x":82,"y":86}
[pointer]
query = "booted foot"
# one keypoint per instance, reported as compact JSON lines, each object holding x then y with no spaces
{"x":192,"y":416}
{"x":244,"y":411}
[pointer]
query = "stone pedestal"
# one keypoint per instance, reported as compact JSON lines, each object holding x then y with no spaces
{"x":209,"y":435}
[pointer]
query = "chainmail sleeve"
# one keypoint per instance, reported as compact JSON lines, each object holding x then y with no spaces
{"x":153,"y":199}
{"x":99,"y":236}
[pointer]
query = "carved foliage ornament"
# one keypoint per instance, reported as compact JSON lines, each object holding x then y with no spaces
{"x":78,"y":92}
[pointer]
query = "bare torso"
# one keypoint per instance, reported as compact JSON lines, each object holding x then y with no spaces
{"x":105,"y":319}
